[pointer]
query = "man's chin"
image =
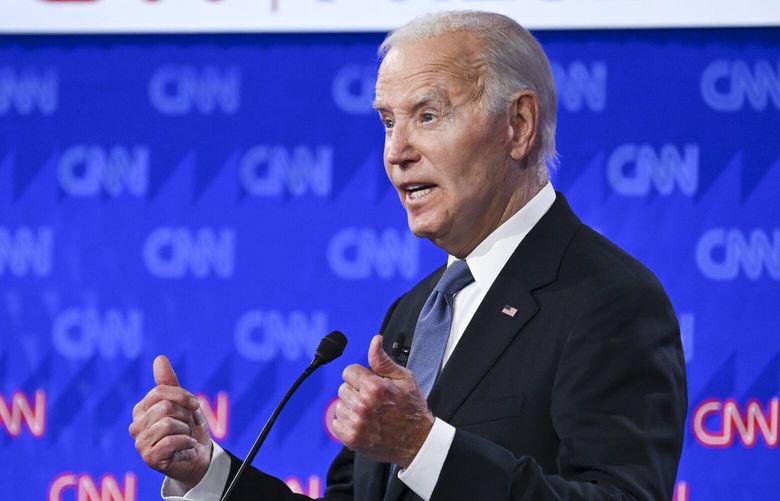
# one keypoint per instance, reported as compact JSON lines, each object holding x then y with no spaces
{"x":419,"y":228}
{"x":442,"y":239}
{"x":421,"y":234}
{"x":434,"y":234}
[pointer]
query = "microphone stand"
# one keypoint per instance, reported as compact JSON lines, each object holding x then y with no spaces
{"x":269,"y":424}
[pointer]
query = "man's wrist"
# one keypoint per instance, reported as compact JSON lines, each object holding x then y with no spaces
{"x":423,"y":472}
{"x":211,"y":484}
{"x":207,"y":465}
{"x":197,"y":476}
{"x":424,"y":432}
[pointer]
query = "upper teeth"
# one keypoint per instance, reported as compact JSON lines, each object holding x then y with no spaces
{"x":415,"y":193}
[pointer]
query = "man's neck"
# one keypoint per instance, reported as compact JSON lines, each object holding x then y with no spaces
{"x":517,"y":200}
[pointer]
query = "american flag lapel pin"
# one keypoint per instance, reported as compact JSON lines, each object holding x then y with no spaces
{"x":509,"y":311}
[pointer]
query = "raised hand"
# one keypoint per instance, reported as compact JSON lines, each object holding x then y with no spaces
{"x":381,"y":412}
{"x":170,"y":431}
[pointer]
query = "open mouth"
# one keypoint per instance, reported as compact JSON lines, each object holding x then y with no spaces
{"x":417,"y":191}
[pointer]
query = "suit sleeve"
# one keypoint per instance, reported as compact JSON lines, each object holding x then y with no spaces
{"x":618,"y":408}
{"x":258,"y":486}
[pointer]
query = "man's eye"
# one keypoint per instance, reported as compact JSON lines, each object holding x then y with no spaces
{"x":389,"y":124}
{"x":427,"y":117}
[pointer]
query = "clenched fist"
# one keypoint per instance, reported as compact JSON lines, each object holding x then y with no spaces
{"x":381,"y":411}
{"x":170,"y":430}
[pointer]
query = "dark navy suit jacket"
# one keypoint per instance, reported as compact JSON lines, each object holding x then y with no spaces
{"x":581,"y":395}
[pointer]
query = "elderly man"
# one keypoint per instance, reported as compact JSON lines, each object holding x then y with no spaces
{"x":545,"y":362}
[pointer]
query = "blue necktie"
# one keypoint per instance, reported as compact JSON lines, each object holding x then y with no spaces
{"x":433,"y":326}
{"x":433,"y":330}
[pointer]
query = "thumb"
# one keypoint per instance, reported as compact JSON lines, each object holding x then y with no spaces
{"x":381,"y":363}
{"x":163,"y":372}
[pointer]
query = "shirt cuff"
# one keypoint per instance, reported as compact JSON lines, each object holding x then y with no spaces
{"x":211,"y":485}
{"x":422,"y":475}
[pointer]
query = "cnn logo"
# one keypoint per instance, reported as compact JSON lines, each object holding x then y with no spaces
{"x":86,"y":488}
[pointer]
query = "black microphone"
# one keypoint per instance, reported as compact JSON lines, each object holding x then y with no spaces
{"x":399,"y":351}
{"x":331,"y":347}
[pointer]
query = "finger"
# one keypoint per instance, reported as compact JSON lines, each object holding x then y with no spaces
{"x":343,"y":413}
{"x":165,"y":449}
{"x":353,"y":414}
{"x":381,"y":363}
{"x":175,"y":394}
{"x":343,"y":431}
{"x":166,"y":408}
{"x":164,"y":428}
{"x":200,"y":430}
{"x":355,"y":375}
{"x":163,"y":372}
{"x":348,"y":395}
{"x":158,"y":412}
{"x":198,"y":418}
{"x":338,"y":429}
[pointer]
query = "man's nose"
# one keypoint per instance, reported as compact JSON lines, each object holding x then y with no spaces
{"x":399,"y":147}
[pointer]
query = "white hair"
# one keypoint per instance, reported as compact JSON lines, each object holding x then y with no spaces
{"x":514,"y":62}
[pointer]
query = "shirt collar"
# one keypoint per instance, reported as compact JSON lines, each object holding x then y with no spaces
{"x":489,"y":257}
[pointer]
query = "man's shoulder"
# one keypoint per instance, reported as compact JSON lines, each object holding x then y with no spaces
{"x":593,"y":256}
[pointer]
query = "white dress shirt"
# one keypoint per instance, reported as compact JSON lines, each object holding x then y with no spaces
{"x":485,"y":262}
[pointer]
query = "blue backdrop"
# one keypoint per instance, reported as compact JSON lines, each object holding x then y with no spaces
{"x":221,"y":199}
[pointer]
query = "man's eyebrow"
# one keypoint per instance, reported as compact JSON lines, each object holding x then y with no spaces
{"x":438,"y":98}
{"x":433,"y":98}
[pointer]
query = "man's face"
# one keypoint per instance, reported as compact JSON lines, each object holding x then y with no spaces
{"x":448,"y":159}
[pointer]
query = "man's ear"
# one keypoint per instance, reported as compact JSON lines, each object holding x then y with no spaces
{"x":524,"y":120}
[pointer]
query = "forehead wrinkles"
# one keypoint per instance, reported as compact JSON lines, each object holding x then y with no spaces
{"x":469,"y":70}
{"x":463,"y":68}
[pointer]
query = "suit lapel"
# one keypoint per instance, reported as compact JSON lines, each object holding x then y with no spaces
{"x":534,"y":264}
{"x":487,"y":336}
